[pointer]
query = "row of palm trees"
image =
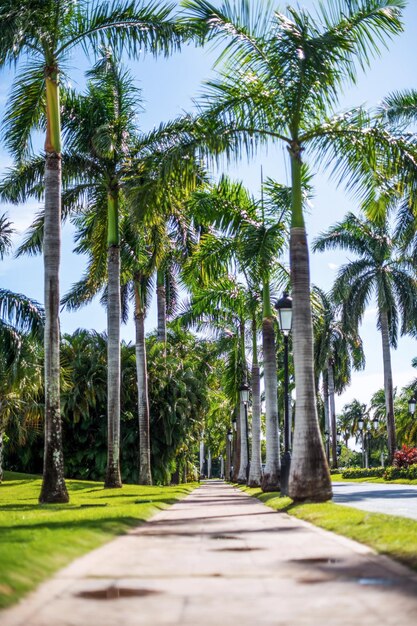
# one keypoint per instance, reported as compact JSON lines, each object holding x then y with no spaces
{"x":280,"y":81}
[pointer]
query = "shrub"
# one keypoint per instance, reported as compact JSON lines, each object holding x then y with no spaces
{"x":358,"y":472}
{"x":405,"y":457}
{"x":410,"y":472}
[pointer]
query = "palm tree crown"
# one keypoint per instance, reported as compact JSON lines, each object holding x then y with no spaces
{"x":380,"y":271}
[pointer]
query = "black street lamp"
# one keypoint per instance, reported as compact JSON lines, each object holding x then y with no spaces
{"x":412,"y":405}
{"x":229,"y":439}
{"x":244,"y":398}
{"x":284,"y":308}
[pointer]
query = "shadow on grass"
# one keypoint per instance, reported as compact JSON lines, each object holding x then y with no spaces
{"x":14,"y":483}
{"x":113,"y":525}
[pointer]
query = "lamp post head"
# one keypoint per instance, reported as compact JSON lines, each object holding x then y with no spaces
{"x":244,"y":390}
{"x":361,"y":423}
{"x":284,"y":308}
{"x":375,"y":423}
{"x":229,"y":435}
{"x":234,"y":423}
{"x":412,"y":404}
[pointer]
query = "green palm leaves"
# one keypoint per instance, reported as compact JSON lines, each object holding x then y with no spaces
{"x":379,"y":271}
{"x":280,"y":80}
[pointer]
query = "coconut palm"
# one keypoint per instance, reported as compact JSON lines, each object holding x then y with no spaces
{"x":380,"y":271}
{"x":45,"y":34}
{"x":282,"y":77}
{"x":337,"y":350}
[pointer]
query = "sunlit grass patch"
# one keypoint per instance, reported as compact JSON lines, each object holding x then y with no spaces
{"x":36,"y":540}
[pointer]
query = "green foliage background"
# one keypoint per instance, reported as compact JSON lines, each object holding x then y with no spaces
{"x":182,"y":387}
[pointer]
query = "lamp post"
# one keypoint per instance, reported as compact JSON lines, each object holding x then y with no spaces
{"x":229,"y":439}
{"x":244,"y":398}
{"x":327,"y":443}
{"x":412,"y":405}
{"x":284,"y":308}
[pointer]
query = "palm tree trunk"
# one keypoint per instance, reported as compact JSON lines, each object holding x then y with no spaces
{"x":332,"y":415}
{"x":271,"y":477}
{"x":243,"y":466}
{"x":388,"y":386}
{"x":326,"y":413}
{"x":161,"y":306}
{"x":53,"y":484}
{"x":145,"y":475}
{"x":113,"y":477}
{"x":242,"y":431}
{"x":309,"y":475}
{"x":255,"y":474}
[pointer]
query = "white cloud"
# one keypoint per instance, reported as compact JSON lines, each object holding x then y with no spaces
{"x":370,"y":313}
{"x":333,"y":266}
{"x":364,"y":385}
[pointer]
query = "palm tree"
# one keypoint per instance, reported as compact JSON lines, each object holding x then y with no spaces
{"x":259,"y":244}
{"x":379,"y":270}
{"x":337,"y":349}
{"x":103,"y":151}
{"x":248,"y":242}
{"x":45,"y":34}
{"x":348,"y":420}
{"x":221,"y":307}
{"x":281,"y":81}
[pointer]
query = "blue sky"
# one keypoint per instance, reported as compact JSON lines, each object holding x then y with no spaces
{"x":168,"y":87}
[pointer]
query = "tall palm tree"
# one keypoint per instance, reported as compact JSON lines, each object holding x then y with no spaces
{"x":259,"y":244}
{"x":221,"y":307}
{"x":337,"y":349}
{"x":45,"y":34}
{"x":281,"y":81}
{"x":248,"y":242}
{"x":103,"y":151}
{"x":380,"y":271}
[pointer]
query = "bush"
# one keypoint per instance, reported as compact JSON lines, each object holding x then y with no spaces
{"x":405,"y":457}
{"x":410,"y":472}
{"x":358,"y":472}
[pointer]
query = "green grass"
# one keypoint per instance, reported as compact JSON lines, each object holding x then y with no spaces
{"x":398,"y":481}
{"x":387,"y":534}
{"x":37,"y":540}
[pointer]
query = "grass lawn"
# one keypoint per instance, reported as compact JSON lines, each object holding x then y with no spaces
{"x":398,"y":481}
{"x":36,"y":540}
{"x":387,"y":534}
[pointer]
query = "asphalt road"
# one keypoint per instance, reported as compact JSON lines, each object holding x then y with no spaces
{"x":378,"y":498}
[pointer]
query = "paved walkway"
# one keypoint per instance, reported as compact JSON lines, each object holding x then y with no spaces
{"x":220,"y":557}
{"x":378,"y":498}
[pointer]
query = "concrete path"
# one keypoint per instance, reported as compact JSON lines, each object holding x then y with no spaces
{"x":220,"y":557}
{"x":378,"y":498}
